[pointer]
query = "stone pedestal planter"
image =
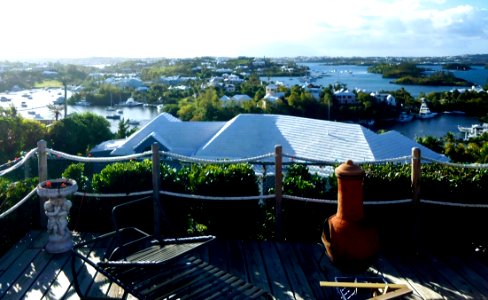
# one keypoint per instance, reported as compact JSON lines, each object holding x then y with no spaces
{"x":57,"y":209}
{"x":351,"y":243}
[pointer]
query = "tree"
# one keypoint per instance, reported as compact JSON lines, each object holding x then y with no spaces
{"x":56,"y":110}
{"x":18,"y":134}
{"x":78,"y":133}
{"x":124,"y":129}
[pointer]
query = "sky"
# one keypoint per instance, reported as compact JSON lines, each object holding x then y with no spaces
{"x":34,"y":29}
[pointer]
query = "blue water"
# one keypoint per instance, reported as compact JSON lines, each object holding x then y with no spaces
{"x":357,"y":77}
{"x":437,"y":126}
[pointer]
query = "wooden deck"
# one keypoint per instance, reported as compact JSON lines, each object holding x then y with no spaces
{"x":287,"y":270}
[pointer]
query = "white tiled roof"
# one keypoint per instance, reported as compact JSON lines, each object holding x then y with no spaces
{"x":249,"y":135}
{"x":177,"y":136}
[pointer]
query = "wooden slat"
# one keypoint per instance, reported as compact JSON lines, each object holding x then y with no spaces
{"x":308,"y":257}
{"x":16,"y":270}
{"x":46,"y":277}
{"x":294,"y":272}
{"x":393,"y":275}
{"x":255,"y":265}
{"x":7,"y":259}
{"x":287,"y":270}
{"x":24,"y":283}
{"x":280,"y":286}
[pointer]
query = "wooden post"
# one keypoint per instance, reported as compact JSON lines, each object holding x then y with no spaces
{"x":156,"y":176}
{"x":279,"y":189}
{"x":42,"y":175}
{"x":415,"y":177}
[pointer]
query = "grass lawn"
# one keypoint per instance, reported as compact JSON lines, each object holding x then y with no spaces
{"x":49,"y":84}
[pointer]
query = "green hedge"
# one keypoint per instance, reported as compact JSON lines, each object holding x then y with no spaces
{"x":252,"y":219}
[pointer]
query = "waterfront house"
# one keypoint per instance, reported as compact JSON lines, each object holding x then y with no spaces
{"x":248,"y":135}
{"x":345,"y":96}
{"x":386,"y":98}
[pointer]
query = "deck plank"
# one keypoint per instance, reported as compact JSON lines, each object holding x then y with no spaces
{"x":8,"y":258}
{"x":256,"y":269}
{"x":287,"y":270}
{"x":280,"y":286}
{"x":17,"y":268}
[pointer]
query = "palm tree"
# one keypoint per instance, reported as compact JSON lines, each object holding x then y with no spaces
{"x":56,"y":110}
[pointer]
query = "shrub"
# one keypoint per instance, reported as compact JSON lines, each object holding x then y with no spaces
{"x":126,"y":177}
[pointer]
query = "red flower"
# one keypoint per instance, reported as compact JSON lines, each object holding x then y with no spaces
{"x":63,"y":185}
{"x":48,"y":184}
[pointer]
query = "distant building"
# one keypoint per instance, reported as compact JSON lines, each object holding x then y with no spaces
{"x":386,"y":98}
{"x":345,"y":97}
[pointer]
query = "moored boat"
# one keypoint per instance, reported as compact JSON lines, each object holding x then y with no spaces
{"x":424,"y":111}
{"x":476,"y":130}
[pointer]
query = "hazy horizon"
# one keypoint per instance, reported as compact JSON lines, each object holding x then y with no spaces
{"x":56,"y":29}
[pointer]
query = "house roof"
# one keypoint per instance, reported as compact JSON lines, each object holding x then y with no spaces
{"x":173,"y":134}
{"x":248,"y":135}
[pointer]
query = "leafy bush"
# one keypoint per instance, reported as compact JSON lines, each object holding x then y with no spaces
{"x":77,"y":173}
{"x":387,"y":181}
{"x":17,"y":224}
{"x":127,"y":177}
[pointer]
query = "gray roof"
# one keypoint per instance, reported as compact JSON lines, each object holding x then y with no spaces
{"x":172,"y":134}
{"x":248,"y":135}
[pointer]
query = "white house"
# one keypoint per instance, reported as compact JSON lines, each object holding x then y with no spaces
{"x":387,"y":98}
{"x":345,"y":96}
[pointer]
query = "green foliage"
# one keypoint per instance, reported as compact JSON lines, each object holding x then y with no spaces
{"x":223,"y":180}
{"x":13,"y":192}
{"x":396,"y":70}
{"x":77,"y":173}
{"x":387,"y":181}
{"x":17,"y":135}
{"x":78,"y":133}
{"x":11,"y":229}
{"x":300,"y":182}
{"x":445,"y":183}
{"x":126,"y":177}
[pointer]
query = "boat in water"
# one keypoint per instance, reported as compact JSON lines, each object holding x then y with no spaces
{"x":404,"y":117}
{"x":476,"y":130}
{"x":113,"y":116}
{"x":131,"y":103}
{"x":424,"y":111}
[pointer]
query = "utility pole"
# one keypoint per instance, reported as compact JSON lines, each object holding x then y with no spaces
{"x":65,"y":99}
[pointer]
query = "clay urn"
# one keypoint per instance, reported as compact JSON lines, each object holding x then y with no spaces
{"x":350,"y":241}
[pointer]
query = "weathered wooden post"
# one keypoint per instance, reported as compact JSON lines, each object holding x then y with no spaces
{"x":415,"y":181}
{"x":42,"y":174}
{"x":279,"y":189}
{"x":156,"y":176}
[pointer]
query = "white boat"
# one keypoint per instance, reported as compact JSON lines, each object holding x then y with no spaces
{"x":131,"y":103}
{"x":110,"y":108}
{"x":474,"y":131}
{"x":83,"y":103}
{"x":23,"y":104}
{"x":5,"y":99}
{"x":59,"y":101}
{"x":424,"y":111}
{"x":404,"y":117}
{"x":133,"y":122}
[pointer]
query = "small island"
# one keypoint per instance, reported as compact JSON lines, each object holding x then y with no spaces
{"x":456,"y":67}
{"x":409,"y":73}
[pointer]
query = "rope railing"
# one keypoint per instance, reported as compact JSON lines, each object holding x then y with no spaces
{"x":190,"y":159}
{"x":457,"y":165}
{"x":454,"y":204}
{"x":20,"y":162}
{"x":18,"y":204}
{"x":335,"y":162}
{"x":325,"y":201}
{"x":97,"y":159}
